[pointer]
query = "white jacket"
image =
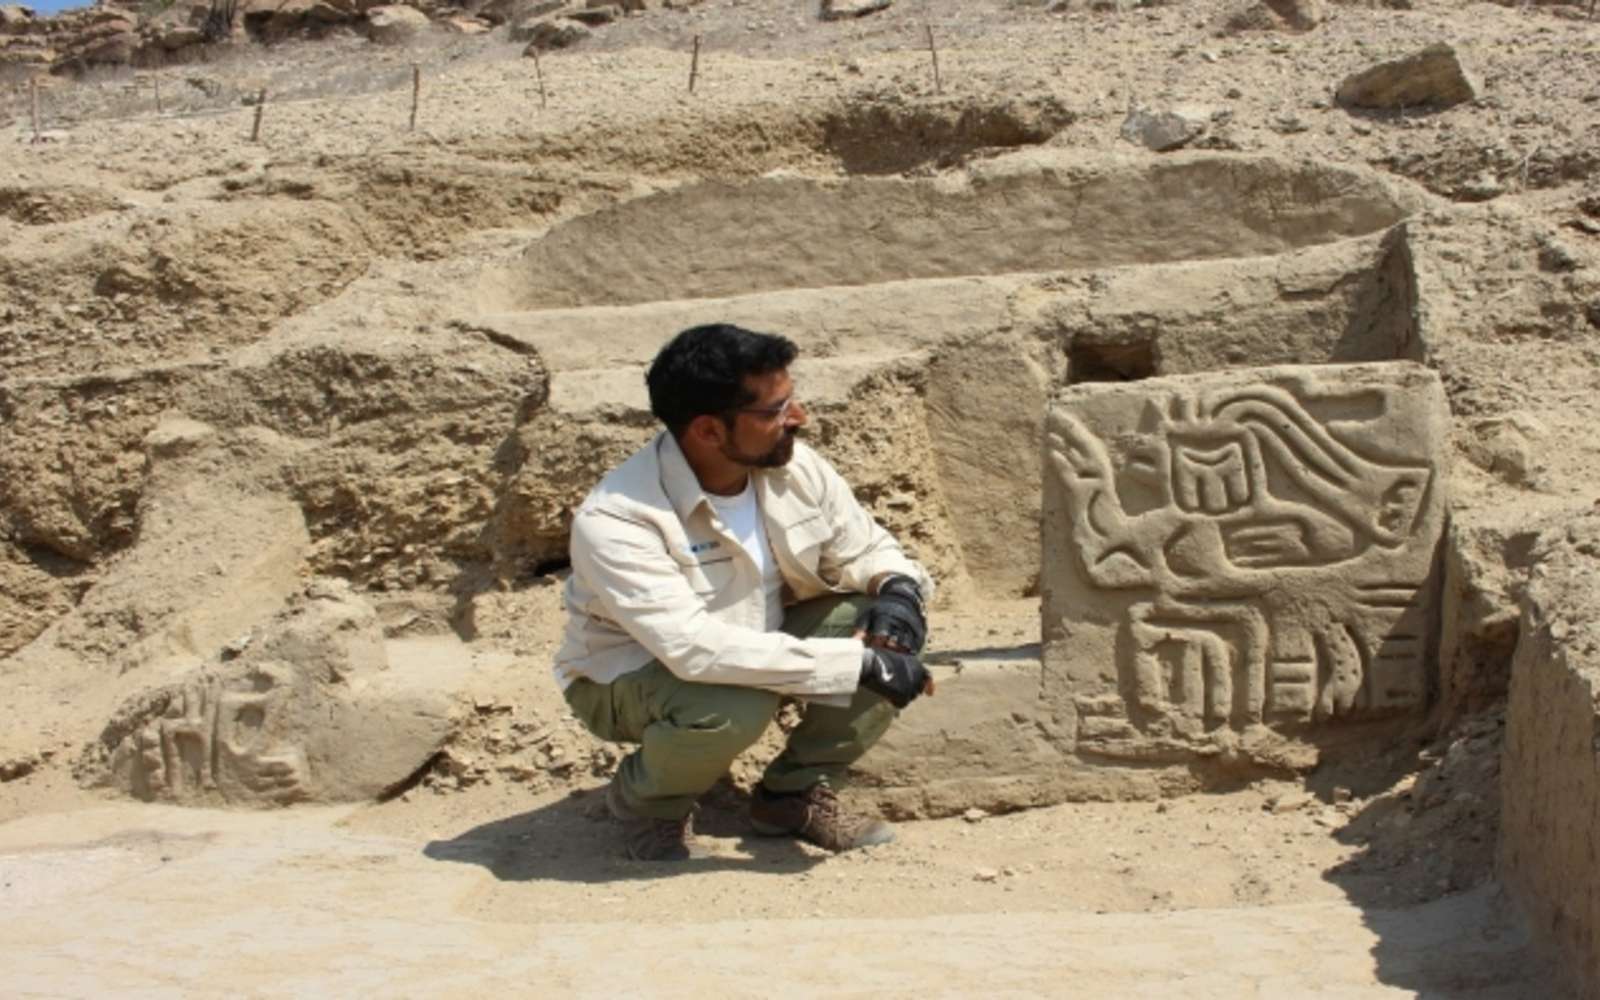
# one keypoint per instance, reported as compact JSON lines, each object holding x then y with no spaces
{"x":656,"y":575}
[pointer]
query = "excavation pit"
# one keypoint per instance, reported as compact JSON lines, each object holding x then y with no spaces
{"x":967,"y":299}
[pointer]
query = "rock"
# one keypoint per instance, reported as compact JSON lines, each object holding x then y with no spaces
{"x":35,"y":55}
{"x":1289,"y":802}
{"x":110,"y":20}
{"x":1483,"y":187}
{"x":109,"y":49}
{"x":15,"y":18}
{"x":838,"y":10}
{"x":596,"y":16}
{"x":1161,"y":131}
{"x":208,"y":86}
{"x":465,"y":25}
{"x":524,"y":26}
{"x":1276,"y":15}
{"x":547,"y":35}
{"x":975,"y":815}
{"x":18,"y":767}
{"x":986,"y":875}
{"x":513,"y":11}
{"x":178,"y":36}
{"x":1486,"y":555}
{"x":1431,"y":77}
{"x":1301,"y":15}
{"x":395,"y":24}
{"x":111,"y":41}
{"x":309,"y":712}
{"x":1502,"y":446}
{"x":1556,"y":257}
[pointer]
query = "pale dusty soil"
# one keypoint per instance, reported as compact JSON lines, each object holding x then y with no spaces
{"x":504,"y":871}
{"x":493,"y":872}
{"x":295,"y":903}
{"x":1205,"y":897}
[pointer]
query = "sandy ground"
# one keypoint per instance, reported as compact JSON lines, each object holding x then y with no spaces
{"x":156,"y":901}
{"x":518,"y":878}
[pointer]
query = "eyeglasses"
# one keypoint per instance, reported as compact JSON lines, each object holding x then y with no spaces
{"x":780,"y":411}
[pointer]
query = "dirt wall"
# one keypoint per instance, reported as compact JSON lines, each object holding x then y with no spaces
{"x":1550,"y":831}
{"x":1029,"y":212}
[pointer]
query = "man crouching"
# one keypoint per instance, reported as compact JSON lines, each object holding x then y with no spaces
{"x":723,"y":566}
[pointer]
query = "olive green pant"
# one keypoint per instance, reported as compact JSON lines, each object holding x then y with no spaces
{"x":688,"y":733}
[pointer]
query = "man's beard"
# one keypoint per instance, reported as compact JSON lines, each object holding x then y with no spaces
{"x":776,"y":457}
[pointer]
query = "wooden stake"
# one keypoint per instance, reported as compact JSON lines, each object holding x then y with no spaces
{"x":33,"y":101}
{"x":261,"y":107}
{"x":933,"y":50}
{"x":416,"y":93}
{"x":156,"y":81}
{"x":538,"y":71}
{"x":694,"y":64}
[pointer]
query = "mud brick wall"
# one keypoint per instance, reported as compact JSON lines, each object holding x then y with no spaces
{"x":1550,"y":778}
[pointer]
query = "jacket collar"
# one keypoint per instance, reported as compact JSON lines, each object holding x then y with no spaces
{"x":677,"y":479}
{"x":683,"y":487}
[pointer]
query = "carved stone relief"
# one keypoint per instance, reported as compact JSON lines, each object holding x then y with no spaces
{"x":1247,"y":548}
{"x":307,"y":708}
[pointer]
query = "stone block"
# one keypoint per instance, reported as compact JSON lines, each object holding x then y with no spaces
{"x":1434,"y":76}
{"x":307,"y":708}
{"x":1233,"y":555}
{"x":978,"y":742}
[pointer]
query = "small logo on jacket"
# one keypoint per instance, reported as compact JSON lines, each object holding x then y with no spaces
{"x":699,"y":547}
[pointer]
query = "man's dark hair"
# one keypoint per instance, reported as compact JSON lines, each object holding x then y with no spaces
{"x":701,"y":371}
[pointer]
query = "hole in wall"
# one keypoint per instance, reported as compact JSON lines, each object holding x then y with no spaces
{"x":1123,"y":362}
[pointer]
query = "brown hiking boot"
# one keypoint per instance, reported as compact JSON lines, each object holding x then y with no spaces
{"x":815,"y":815}
{"x":650,"y":839}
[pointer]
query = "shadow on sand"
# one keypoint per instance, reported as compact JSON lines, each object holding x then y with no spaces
{"x":572,"y":840}
{"x":1421,"y":873}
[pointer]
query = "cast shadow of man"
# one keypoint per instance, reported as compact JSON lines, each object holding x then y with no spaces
{"x":573,"y":840}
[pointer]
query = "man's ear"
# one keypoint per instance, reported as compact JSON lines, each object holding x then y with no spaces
{"x":707,"y":430}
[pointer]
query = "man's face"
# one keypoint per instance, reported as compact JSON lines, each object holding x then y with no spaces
{"x":763,"y":431}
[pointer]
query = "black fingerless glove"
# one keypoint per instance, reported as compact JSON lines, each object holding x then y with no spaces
{"x":896,"y":614}
{"x":899,"y":677}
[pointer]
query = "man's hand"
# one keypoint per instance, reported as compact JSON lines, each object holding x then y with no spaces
{"x":895,"y":619}
{"x":899,"y":677}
